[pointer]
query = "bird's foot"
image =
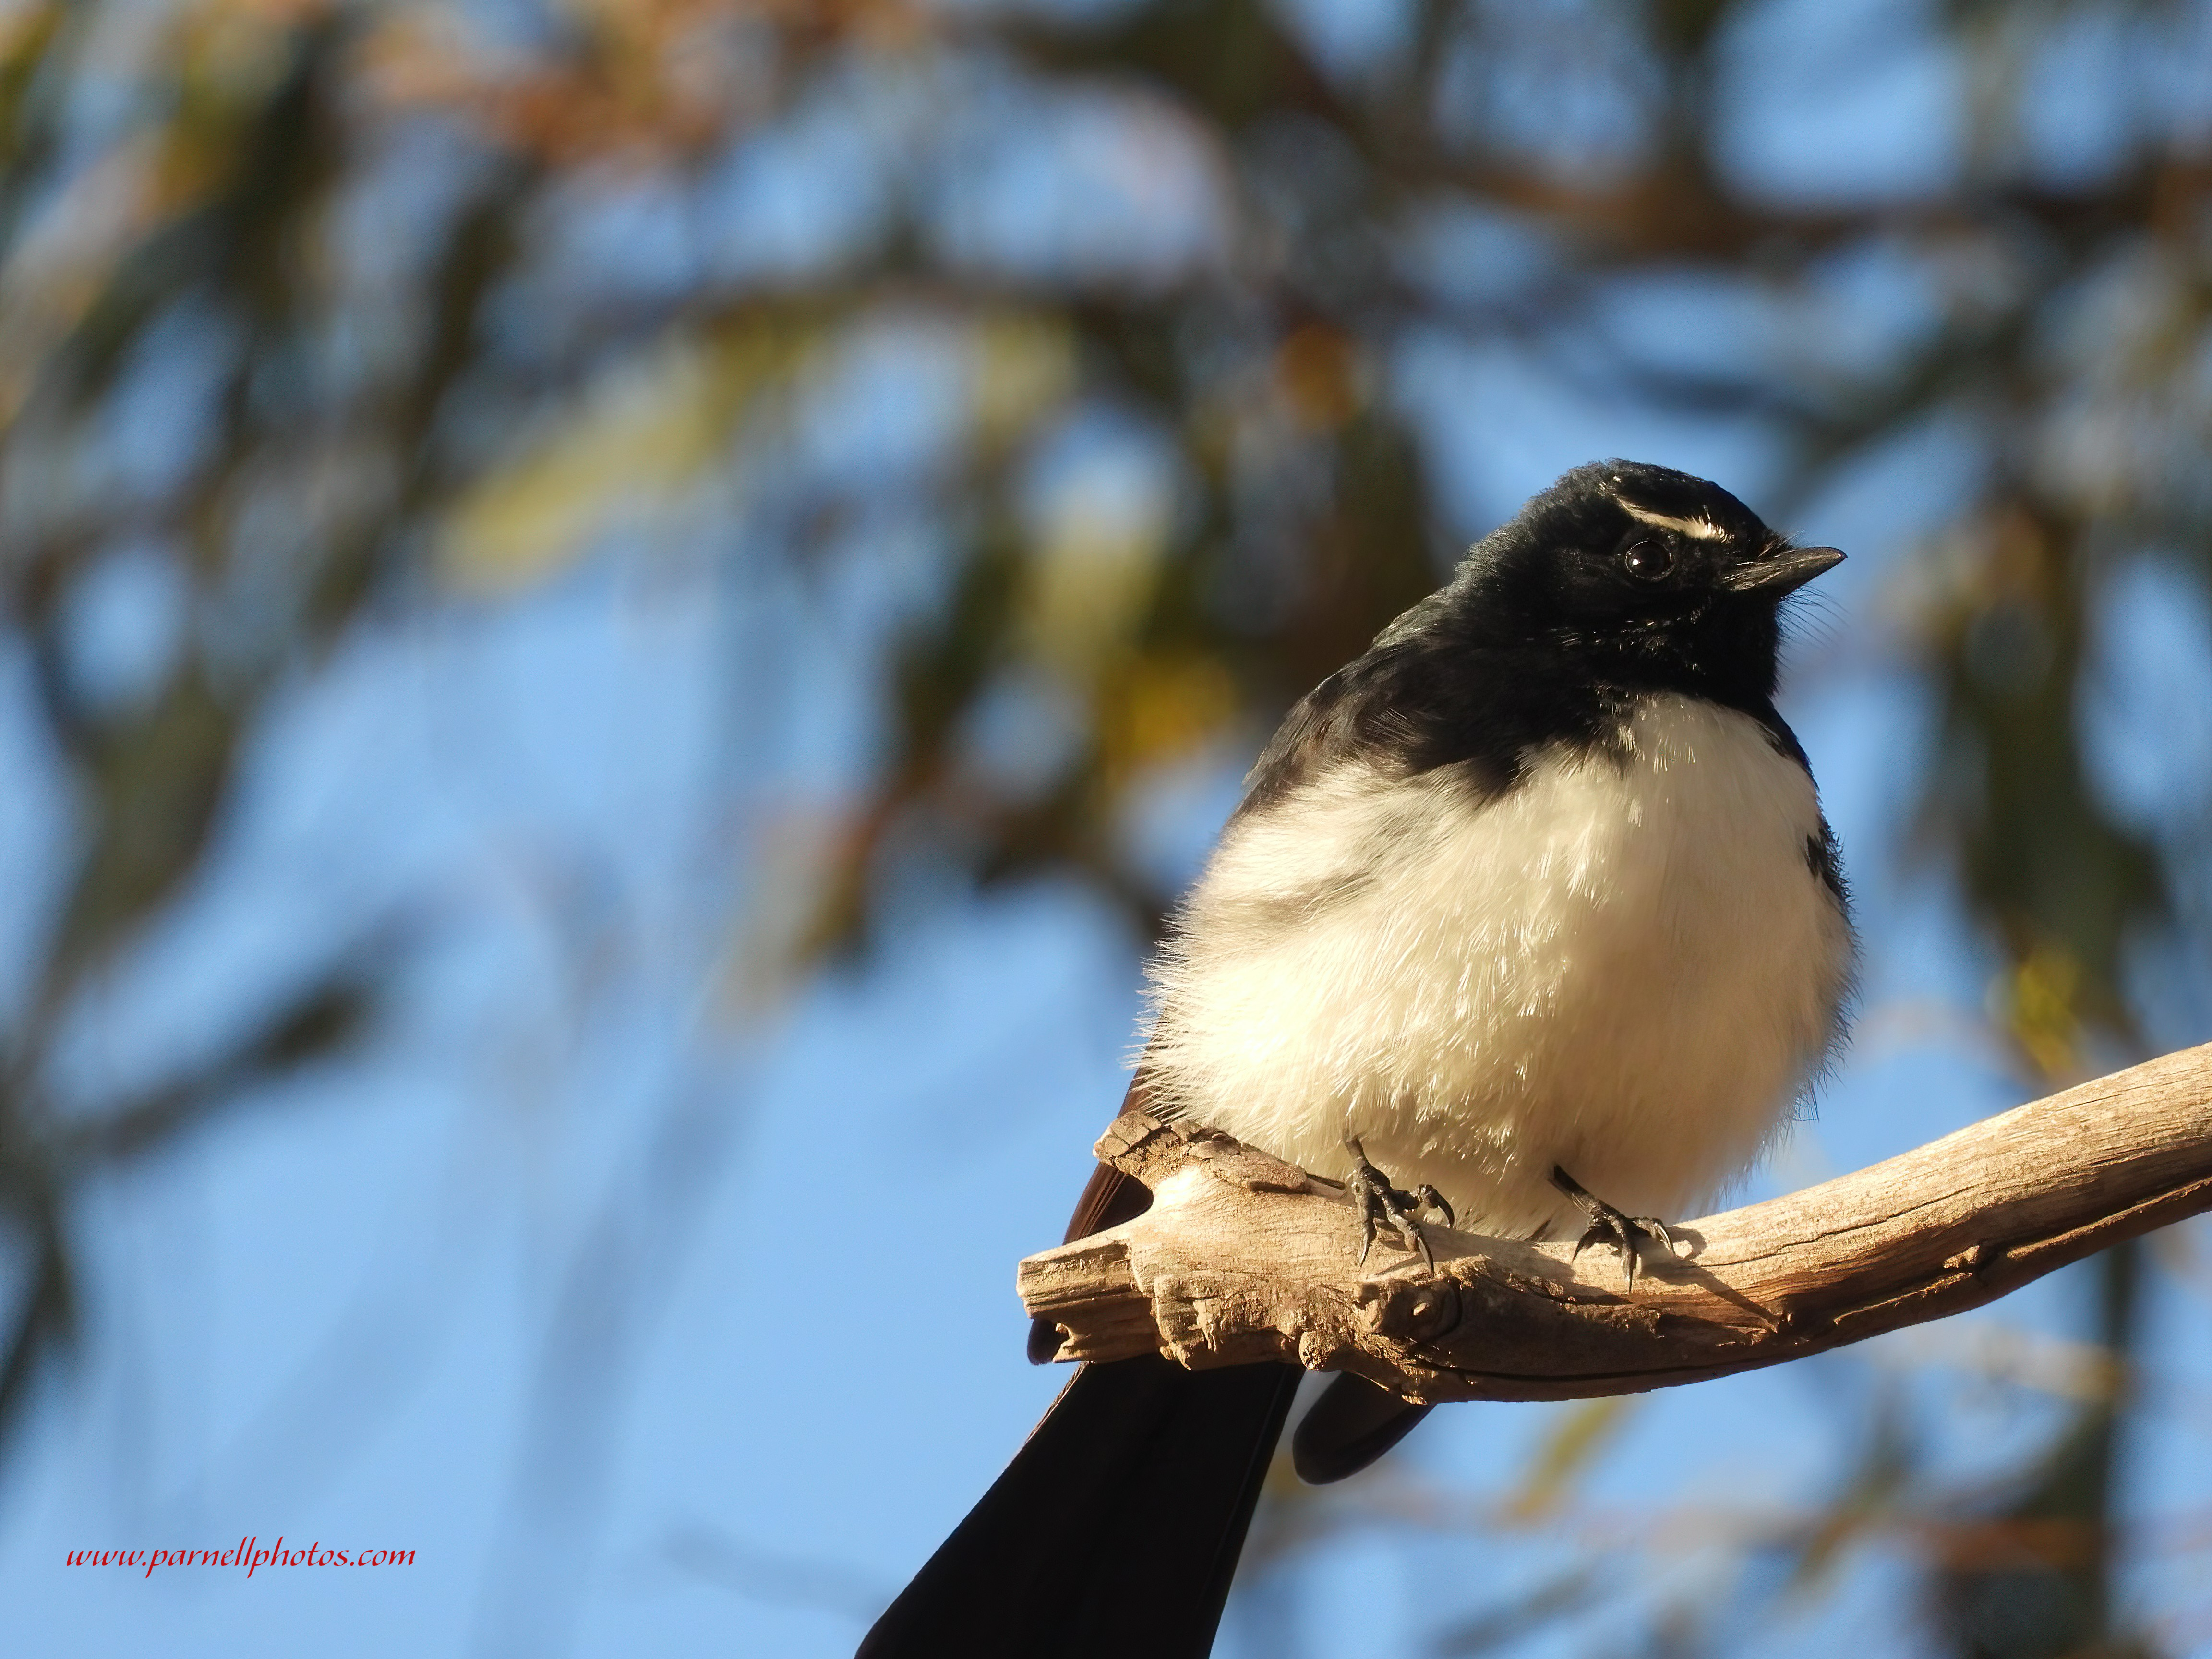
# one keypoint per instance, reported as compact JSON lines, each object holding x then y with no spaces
{"x":1383,"y":1205}
{"x":1610,"y":1226}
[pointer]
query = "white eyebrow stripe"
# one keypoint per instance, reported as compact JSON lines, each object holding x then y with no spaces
{"x":1703,"y":530}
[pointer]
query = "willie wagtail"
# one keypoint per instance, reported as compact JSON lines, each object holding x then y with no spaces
{"x":1531,"y":902}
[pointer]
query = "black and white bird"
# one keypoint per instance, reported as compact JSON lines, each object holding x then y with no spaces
{"x":1531,"y":909}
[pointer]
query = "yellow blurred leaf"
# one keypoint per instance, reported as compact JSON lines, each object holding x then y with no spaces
{"x":639,"y":436}
{"x":1578,"y":1434}
{"x":2038,"y":1001}
{"x":1093,"y":573}
{"x":1157,"y":708}
{"x":1024,"y":365}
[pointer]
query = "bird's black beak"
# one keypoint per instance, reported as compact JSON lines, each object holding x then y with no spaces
{"x":1781,"y":572}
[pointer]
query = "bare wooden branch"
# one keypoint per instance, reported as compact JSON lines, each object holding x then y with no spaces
{"x":1242,"y":1257}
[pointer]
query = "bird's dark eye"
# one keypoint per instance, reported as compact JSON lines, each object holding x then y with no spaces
{"x":1648,"y":562}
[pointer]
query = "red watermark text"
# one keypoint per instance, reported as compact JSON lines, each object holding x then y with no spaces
{"x":247,"y":1554}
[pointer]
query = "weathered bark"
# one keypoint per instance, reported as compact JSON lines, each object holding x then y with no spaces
{"x":1242,"y":1257}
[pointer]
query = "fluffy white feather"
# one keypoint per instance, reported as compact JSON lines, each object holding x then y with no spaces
{"x":1624,"y":965}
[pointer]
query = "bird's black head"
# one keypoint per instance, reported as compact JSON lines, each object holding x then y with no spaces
{"x":1620,"y":579}
{"x":1638,"y":576}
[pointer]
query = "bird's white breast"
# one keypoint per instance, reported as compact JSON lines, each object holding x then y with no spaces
{"x":1625,"y":964}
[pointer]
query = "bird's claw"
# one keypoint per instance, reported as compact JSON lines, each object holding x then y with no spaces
{"x":1432,"y":1199}
{"x":1608,"y":1225}
{"x":1383,"y":1205}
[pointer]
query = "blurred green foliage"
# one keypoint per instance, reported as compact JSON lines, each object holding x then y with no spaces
{"x":327,"y":253}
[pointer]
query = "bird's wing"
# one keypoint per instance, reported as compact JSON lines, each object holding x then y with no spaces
{"x":1331,"y":722}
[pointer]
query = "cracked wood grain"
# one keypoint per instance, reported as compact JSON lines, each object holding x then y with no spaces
{"x":1242,"y":1257}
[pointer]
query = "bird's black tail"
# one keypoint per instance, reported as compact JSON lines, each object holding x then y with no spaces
{"x":1115,"y":1530}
